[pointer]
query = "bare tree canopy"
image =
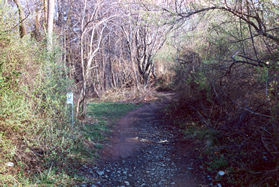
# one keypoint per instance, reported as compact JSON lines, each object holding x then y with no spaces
{"x":212,"y":66}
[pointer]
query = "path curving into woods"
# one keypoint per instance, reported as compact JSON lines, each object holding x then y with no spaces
{"x":144,"y":150}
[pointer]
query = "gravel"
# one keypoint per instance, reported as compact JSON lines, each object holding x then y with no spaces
{"x":157,"y":155}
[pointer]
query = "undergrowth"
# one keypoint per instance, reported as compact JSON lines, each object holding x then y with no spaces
{"x":36,"y":138}
{"x":133,"y":95}
{"x":233,"y":118}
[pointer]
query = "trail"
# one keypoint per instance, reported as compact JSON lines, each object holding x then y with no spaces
{"x":144,"y":150}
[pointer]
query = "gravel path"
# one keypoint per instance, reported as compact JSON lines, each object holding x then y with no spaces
{"x":146,"y":151}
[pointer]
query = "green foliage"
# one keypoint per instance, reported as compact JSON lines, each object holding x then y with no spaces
{"x":263,"y":74}
{"x":166,"y":54}
{"x":217,"y":163}
{"x":34,"y":131}
{"x":274,"y":92}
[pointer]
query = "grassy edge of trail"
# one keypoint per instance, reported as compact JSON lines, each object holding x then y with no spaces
{"x":88,"y":137}
{"x":103,"y":115}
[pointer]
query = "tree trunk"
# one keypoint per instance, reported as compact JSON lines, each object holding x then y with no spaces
{"x":36,"y":32}
{"x":50,"y":17}
{"x":4,"y":2}
{"x":81,"y":103}
{"x":45,"y":13}
{"x":22,"y":28}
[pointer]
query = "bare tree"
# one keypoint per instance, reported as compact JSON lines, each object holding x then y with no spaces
{"x":146,"y":33}
{"x":22,"y":27}
{"x":92,"y":29}
{"x":110,"y":43}
{"x":50,"y":19}
{"x":254,"y":14}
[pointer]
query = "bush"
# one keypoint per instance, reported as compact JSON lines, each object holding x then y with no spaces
{"x":240,"y":106}
{"x":35,"y":133}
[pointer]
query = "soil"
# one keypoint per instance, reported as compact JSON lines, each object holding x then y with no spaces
{"x":146,"y":150}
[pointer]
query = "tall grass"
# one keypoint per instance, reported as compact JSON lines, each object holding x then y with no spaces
{"x":36,"y":138}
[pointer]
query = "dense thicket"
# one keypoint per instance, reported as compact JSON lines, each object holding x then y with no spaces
{"x":35,"y":135}
{"x":220,"y":56}
{"x":227,"y":77}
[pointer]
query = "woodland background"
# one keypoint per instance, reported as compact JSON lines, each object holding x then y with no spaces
{"x":220,"y":58}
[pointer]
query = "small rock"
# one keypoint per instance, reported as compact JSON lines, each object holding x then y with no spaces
{"x":219,"y":185}
{"x":189,"y":168}
{"x":173,"y":183}
{"x":221,"y":173}
{"x":127,"y":183}
{"x":100,"y":173}
{"x":10,"y":164}
{"x":85,"y":166}
{"x":93,"y":185}
{"x":91,"y":171}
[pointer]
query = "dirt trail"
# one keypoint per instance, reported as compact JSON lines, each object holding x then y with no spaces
{"x":146,"y":151}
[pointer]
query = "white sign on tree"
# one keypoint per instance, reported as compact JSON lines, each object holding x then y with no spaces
{"x":70,"y":98}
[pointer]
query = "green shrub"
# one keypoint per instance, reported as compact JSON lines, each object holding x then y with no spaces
{"x":34,"y":131}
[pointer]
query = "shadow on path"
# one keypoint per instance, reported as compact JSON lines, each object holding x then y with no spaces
{"x":144,"y":150}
